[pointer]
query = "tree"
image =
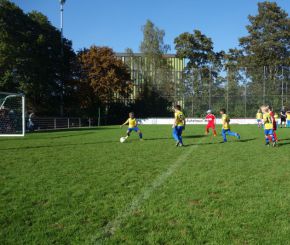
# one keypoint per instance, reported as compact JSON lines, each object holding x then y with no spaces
{"x":31,"y":61}
{"x":107,"y":75}
{"x":156,"y":69}
{"x":266,"y":50}
{"x":268,"y":42}
{"x":203,"y":65}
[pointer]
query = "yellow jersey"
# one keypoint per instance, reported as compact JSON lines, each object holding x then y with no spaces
{"x":179,"y":118}
{"x":288,"y":115}
{"x":268,"y":124}
{"x":259,"y":116}
{"x":132,"y":122}
{"x":226,"y":121}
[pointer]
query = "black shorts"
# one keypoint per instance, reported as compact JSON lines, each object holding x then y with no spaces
{"x":283,"y":119}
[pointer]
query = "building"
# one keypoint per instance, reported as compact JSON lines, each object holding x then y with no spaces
{"x":136,"y":63}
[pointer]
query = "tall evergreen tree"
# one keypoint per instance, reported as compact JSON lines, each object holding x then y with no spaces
{"x":265,"y":51}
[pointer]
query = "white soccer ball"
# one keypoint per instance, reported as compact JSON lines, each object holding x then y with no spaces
{"x":122,"y":139}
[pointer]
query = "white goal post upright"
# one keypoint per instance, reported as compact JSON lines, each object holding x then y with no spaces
{"x":12,"y":114}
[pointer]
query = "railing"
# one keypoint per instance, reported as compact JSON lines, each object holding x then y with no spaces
{"x":55,"y":123}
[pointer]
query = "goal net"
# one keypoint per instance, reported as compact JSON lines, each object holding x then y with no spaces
{"x":12,"y":114}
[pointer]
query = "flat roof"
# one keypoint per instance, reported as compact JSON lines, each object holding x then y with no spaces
{"x":141,"y":54}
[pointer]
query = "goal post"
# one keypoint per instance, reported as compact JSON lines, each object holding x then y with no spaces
{"x":12,"y":114}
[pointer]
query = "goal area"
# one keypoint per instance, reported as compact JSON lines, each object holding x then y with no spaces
{"x":12,"y":114}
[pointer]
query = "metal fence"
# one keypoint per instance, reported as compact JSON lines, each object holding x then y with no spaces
{"x":239,"y":90}
{"x":56,"y":123}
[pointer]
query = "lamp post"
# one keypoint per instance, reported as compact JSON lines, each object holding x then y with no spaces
{"x":62,"y":2}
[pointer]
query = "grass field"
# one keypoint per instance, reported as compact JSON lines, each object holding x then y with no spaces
{"x":84,"y":187}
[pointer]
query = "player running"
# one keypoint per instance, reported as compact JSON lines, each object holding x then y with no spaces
{"x":268,"y":125}
{"x":210,"y":118}
{"x":226,"y":126}
{"x":133,"y":126}
{"x":259,"y":117}
{"x":178,"y":125}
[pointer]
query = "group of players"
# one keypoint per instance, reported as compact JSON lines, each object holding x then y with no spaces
{"x":180,"y":123}
{"x":266,"y":118}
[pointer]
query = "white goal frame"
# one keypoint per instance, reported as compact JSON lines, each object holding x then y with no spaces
{"x":9,"y":95}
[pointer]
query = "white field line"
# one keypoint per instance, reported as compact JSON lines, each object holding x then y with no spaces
{"x":146,"y":192}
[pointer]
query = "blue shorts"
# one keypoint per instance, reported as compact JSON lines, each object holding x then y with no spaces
{"x":136,"y":129}
{"x":268,"y":131}
{"x":259,"y":120}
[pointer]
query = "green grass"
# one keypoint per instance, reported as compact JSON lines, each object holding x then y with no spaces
{"x":74,"y":187}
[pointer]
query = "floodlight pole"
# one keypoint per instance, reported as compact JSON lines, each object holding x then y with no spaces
{"x":228,"y":81}
{"x":282,"y":87}
{"x":264,"y":85}
{"x":209,"y":88}
{"x":246,"y":84}
{"x":62,"y":2}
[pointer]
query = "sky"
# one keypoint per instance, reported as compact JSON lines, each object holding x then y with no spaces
{"x":117,"y":23}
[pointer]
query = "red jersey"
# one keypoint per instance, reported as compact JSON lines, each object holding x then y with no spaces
{"x":272,"y":116}
{"x":210,"y":119}
{"x":273,"y":120}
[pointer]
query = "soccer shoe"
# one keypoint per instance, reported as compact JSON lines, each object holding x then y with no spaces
{"x":274,"y":144}
{"x":238,"y":136}
{"x":181,"y":144}
{"x":267,"y":144}
{"x":177,"y":143}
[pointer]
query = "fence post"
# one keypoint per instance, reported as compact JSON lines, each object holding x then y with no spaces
{"x":54,"y":122}
{"x":99,"y":117}
{"x":282,"y":87}
{"x":68,"y":122}
{"x":264,"y":85}
{"x":80,"y":122}
{"x":89,"y":122}
{"x":245,"y":100}
{"x":209,"y":88}
{"x":228,"y":80}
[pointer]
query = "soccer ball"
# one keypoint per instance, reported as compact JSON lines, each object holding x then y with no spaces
{"x":122,"y":139}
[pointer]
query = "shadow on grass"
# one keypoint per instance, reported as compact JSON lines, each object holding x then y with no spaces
{"x":194,"y":136}
{"x":281,"y":140}
{"x":221,"y":142}
{"x":283,"y":144}
{"x":37,"y":134}
{"x":150,"y":139}
{"x":245,"y":140}
{"x":56,"y":146}
{"x":74,"y":129}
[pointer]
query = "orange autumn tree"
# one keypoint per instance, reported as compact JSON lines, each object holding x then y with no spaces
{"x":107,"y":76}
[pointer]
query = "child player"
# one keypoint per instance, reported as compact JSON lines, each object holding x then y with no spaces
{"x":288,"y":119}
{"x":268,"y":125}
{"x":178,"y":125}
{"x":226,"y":126}
{"x":259,"y":117}
{"x":133,"y":125}
{"x":210,"y":118}
{"x":272,"y":114}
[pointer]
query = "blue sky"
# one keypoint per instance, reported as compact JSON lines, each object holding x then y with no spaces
{"x":117,"y":23}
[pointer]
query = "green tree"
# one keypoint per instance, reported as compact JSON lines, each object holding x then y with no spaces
{"x":156,"y":69}
{"x":266,"y":49}
{"x":31,"y":61}
{"x":203,"y":65}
